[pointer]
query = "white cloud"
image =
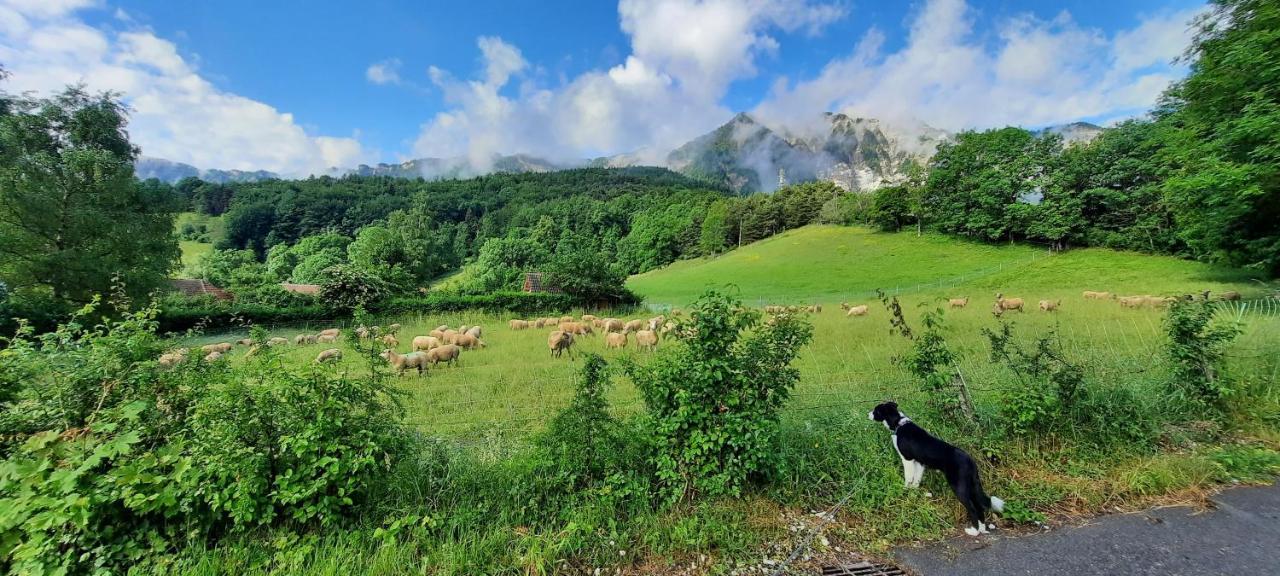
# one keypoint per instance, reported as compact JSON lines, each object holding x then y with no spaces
{"x":684,"y":55}
{"x":1037,"y":72}
{"x":176,"y":113}
{"x":384,"y":72}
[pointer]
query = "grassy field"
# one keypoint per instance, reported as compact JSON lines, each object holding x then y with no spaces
{"x":499,"y":395}
{"x":514,"y":384}
{"x":831,"y":264}
{"x":193,"y":250}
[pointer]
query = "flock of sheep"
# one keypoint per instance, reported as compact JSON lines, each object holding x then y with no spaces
{"x":445,"y":344}
{"x":616,"y":331}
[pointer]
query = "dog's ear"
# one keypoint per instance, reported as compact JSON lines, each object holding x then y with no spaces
{"x":891,"y":405}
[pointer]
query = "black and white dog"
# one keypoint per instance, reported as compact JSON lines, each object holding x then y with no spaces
{"x":919,"y":450}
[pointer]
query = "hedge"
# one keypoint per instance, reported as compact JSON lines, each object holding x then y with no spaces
{"x":181,"y":315}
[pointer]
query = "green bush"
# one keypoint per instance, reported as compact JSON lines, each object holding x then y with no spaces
{"x":713,"y":399}
{"x":1195,"y":344}
{"x":109,"y":459}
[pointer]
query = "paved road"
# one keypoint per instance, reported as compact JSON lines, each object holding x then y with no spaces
{"x":1240,"y":536}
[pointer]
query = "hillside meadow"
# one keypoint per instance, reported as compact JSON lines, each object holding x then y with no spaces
{"x":499,"y":397}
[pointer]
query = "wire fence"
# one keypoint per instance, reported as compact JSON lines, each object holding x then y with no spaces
{"x":897,"y":290}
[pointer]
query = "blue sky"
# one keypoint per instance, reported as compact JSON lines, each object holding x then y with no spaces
{"x":298,"y":86}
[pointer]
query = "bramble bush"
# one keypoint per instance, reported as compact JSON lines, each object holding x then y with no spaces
{"x":713,"y":399}
{"x":111,"y":459}
{"x":931,"y":361}
{"x":1196,"y":344}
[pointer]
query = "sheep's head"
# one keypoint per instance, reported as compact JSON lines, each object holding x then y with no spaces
{"x":386,"y":354}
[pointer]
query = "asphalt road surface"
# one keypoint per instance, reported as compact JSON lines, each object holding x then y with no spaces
{"x":1240,"y":535}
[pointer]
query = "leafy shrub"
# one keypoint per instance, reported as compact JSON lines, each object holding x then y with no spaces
{"x":1195,"y":345}
{"x":1051,"y":395}
{"x":931,"y":361}
{"x":714,"y":398}
{"x":583,"y":442}
{"x":1048,"y":387}
{"x":346,"y":287}
{"x":110,"y":458}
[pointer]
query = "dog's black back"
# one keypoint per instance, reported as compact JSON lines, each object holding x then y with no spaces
{"x":914,"y":443}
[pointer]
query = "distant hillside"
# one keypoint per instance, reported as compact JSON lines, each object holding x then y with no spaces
{"x":831,"y":264}
{"x":147,"y":167}
{"x":855,"y":153}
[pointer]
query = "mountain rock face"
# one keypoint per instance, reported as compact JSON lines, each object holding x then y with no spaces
{"x":168,"y":171}
{"x":854,"y":153}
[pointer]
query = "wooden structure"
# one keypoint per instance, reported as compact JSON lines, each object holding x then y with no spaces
{"x":533,"y":283}
{"x":304,"y":289}
{"x":194,"y":287}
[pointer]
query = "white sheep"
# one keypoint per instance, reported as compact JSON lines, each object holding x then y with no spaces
{"x":402,"y":362}
{"x":425,"y":343}
{"x":448,"y":354}
{"x":559,"y":341}
{"x":330,"y":355}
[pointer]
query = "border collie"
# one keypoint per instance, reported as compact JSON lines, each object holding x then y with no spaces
{"x":919,"y":450}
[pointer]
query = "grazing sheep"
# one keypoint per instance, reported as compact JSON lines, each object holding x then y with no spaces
{"x":449,"y":336}
{"x":402,"y":362}
{"x":469,"y":342}
{"x":304,"y":339}
{"x":612,"y":325}
{"x":958,"y":302}
{"x":518,"y":324}
{"x":632,"y":326}
{"x":575,"y":328}
{"x":326,"y":339}
{"x":390,"y":341}
{"x":474,"y":331}
{"x":330,"y":332}
{"x":647,"y":339}
{"x":425,"y":343}
{"x":589,"y":319}
{"x":815,"y":309}
{"x":221,"y":347}
{"x":245,"y":341}
{"x":448,"y":354}
{"x":393,"y":328}
{"x":997,"y":310}
{"x":1132,"y":301}
{"x":363,"y":332}
{"x":559,"y":341}
{"x":1049,"y":305}
{"x":1230,"y":296}
{"x":330,"y":355}
{"x":566,"y":318}
{"x":442,"y":327}
{"x":1092,"y":295}
{"x":171,"y":359}
{"x":860,"y":310}
{"x":213,"y":357}
{"x":1009,"y":303}
{"x":656,"y":321}
{"x":615,"y":340}
{"x":437,"y":333}
{"x":844,"y":306}
{"x":277,"y":341}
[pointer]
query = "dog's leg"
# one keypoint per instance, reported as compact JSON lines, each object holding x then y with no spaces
{"x":918,"y":475}
{"x":908,"y":472}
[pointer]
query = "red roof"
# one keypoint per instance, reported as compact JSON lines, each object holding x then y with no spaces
{"x":197,"y":287}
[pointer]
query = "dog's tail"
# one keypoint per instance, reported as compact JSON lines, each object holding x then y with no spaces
{"x":997,"y":504}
